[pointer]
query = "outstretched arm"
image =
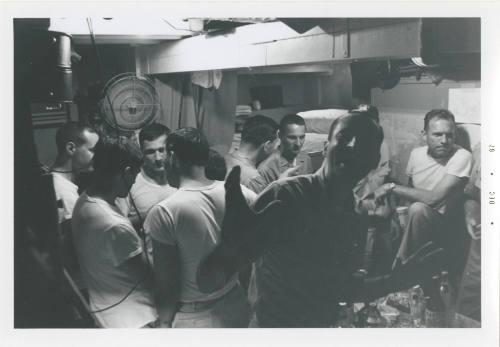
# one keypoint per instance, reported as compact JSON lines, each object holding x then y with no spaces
{"x":446,"y":187}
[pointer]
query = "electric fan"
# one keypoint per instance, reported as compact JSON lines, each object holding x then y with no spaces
{"x":130,"y":102}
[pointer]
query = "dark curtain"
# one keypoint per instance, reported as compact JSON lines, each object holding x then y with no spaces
{"x":184,"y":104}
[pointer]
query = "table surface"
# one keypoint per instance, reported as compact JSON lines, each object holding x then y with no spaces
{"x":395,"y":318}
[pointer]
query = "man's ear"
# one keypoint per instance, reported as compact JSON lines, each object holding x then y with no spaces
{"x":278,"y":134}
{"x":70,"y":148}
{"x":424,"y":135}
{"x":268,"y":146}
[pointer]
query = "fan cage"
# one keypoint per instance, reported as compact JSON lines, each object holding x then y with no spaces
{"x":130,"y":102}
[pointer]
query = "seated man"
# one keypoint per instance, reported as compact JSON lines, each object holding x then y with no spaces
{"x":110,"y":253}
{"x":292,"y":134}
{"x":469,"y":297}
{"x":437,"y":174}
{"x":185,"y":228}
{"x":258,"y":141}
{"x":151,"y":185}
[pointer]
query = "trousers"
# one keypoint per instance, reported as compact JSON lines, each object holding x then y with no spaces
{"x":448,"y":231}
{"x":424,"y":224}
{"x":231,"y":311}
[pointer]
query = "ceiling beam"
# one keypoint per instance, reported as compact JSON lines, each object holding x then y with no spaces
{"x":275,"y":44}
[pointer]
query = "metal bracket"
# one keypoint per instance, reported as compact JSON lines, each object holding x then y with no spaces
{"x":346,"y":41}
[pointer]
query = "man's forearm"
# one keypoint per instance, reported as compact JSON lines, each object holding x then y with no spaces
{"x":167,"y":308}
{"x":421,"y":195}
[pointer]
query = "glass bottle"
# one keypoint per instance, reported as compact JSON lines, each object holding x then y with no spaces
{"x":346,"y":316}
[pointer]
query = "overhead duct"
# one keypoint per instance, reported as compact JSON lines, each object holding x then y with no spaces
{"x":302,"y":25}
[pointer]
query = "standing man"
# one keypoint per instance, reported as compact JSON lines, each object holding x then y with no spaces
{"x":258,"y":141}
{"x":185,"y":228}
{"x":292,"y":134}
{"x":304,"y":237}
{"x":75,"y":149}
{"x":151,"y":185}
{"x":438,"y":173}
{"x":110,"y":252}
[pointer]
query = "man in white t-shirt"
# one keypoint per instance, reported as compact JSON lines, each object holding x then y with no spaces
{"x":151,"y":185}
{"x":75,"y":149}
{"x":110,"y":252}
{"x":437,"y":174}
{"x":185,"y":228}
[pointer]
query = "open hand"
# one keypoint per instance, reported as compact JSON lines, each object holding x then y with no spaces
{"x":473,"y":228}
{"x":293,"y":171}
{"x":381,"y":208}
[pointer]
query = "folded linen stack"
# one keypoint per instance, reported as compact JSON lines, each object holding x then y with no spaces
{"x":243,"y":110}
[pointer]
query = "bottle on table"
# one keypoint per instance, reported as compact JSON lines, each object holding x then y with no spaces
{"x":361,"y":315}
{"x":438,"y":302}
{"x":446,"y":290}
{"x":417,"y":305}
{"x":448,"y":296}
{"x":346,"y":316}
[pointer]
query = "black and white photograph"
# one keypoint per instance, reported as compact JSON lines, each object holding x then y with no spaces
{"x":310,"y":171}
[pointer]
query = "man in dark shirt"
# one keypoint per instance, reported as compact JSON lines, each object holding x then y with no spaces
{"x":302,"y":234}
{"x":302,"y":277}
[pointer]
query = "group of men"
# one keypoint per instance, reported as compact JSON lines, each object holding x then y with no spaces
{"x":154,"y":213}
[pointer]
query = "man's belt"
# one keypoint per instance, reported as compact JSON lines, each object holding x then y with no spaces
{"x":198,"y":306}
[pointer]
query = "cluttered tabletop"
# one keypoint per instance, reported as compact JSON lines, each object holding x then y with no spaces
{"x":406,"y":309}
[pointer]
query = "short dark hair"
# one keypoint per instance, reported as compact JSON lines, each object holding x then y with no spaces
{"x":368,"y":110}
{"x":360,"y":116}
{"x":113,"y":155}
{"x":439,"y":114}
{"x":258,"y":130}
{"x":216,"y":168}
{"x":189,"y":145}
{"x":152,"y":132}
{"x":71,"y":132}
{"x":291,"y":119}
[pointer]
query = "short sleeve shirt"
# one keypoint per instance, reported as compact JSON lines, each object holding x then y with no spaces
{"x":104,"y":241}
{"x":146,"y":193}
{"x":248,"y":169}
{"x":67,"y":192}
{"x":271,"y":168}
{"x":191,"y":220}
{"x":426,"y":172}
{"x":475,"y":177}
